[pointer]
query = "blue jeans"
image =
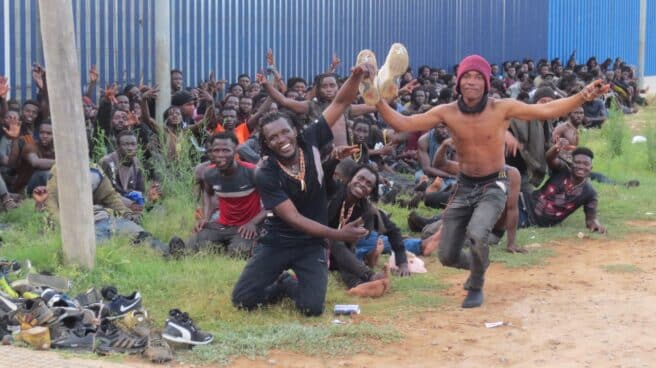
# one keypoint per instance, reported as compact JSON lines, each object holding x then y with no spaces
{"x":112,"y":226}
{"x":475,"y":207}
{"x":367,"y":245}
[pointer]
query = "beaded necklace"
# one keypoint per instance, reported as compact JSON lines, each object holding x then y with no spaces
{"x":343,"y":219}
{"x":300,"y":176}
{"x":358,"y":155}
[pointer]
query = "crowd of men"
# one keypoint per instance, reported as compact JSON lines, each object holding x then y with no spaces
{"x":289,"y":171}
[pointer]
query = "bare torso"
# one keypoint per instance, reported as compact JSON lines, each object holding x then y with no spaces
{"x":339,"y":132}
{"x":479,"y":138}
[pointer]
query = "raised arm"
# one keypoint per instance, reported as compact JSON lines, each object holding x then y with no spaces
{"x":255,"y":118}
{"x":347,"y":93}
{"x":361,"y":109}
{"x":93,"y":80}
{"x":299,"y":107}
{"x":553,"y":109}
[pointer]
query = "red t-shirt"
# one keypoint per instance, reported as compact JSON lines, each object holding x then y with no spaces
{"x":239,"y":202}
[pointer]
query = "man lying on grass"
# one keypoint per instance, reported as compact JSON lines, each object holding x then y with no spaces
{"x":567,"y":189}
{"x":291,"y":183}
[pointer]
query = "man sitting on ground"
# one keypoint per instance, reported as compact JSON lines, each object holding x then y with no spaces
{"x":240,"y":209}
{"x":32,"y":160}
{"x":124,"y":170}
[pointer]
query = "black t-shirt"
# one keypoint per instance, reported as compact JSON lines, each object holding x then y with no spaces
{"x":275,"y":187}
{"x":559,"y":198}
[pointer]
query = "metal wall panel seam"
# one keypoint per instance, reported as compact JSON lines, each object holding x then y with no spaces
{"x":22,"y":61}
{"x":4,"y":54}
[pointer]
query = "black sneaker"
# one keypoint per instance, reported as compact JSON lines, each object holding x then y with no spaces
{"x":77,"y":339}
{"x":176,"y":247}
{"x":7,"y":306}
{"x":91,"y":296}
{"x":110,"y":339}
{"x":119,"y":305}
{"x":56,"y":299}
{"x":181,"y":329}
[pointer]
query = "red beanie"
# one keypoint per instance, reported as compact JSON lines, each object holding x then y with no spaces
{"x":477,"y":63}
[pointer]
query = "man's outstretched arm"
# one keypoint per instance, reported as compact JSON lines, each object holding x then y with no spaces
{"x":412,"y":123}
{"x":553,"y":109}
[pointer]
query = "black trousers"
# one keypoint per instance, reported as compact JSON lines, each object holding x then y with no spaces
{"x":351,"y":269}
{"x":257,"y":286}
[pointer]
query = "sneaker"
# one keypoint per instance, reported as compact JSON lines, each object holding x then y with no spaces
{"x":89,"y":297}
{"x":389,"y":75}
{"x":110,"y":339}
{"x":158,"y":350}
{"x":134,"y":322}
{"x":181,"y":329}
{"x":49,"y":281}
{"x":368,"y":89}
{"x":77,"y":339}
{"x":34,"y":313}
{"x":6,"y":289}
{"x":119,"y":305}
{"x":55,"y":299}
{"x":86,"y":316}
{"x":7,"y":306}
{"x":176,"y":247}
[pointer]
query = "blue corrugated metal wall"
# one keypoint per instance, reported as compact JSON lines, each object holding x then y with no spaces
{"x":231,"y":37}
{"x":603,"y":28}
{"x":116,"y":35}
{"x":650,"y":39}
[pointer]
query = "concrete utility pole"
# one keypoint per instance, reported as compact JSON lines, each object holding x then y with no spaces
{"x":641,"y":43}
{"x":162,"y":57}
{"x":73,"y":183}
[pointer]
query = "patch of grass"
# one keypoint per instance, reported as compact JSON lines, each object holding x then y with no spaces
{"x":615,"y":131}
{"x":256,"y":341}
{"x":650,"y":134}
{"x":621,"y":268}
{"x":202,"y":284}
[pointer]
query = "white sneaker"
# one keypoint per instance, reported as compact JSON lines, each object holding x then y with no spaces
{"x":390,"y":73}
{"x":368,"y":88}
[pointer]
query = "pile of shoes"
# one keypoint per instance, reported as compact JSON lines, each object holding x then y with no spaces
{"x":101,"y":321}
{"x":37,"y":311}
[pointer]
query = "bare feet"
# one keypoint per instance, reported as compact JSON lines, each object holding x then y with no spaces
{"x":430,"y":244}
{"x":373,"y":289}
{"x":371,"y":259}
{"x":516,"y":249}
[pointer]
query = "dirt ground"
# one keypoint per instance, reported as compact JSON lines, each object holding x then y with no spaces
{"x":593,"y":305}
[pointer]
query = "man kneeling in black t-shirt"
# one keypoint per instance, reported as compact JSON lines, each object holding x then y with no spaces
{"x":291,"y":184}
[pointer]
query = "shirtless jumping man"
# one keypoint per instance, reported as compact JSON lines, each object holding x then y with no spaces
{"x":478,"y":125}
